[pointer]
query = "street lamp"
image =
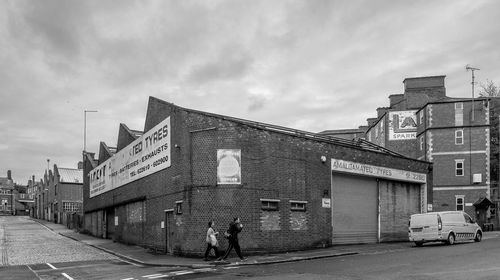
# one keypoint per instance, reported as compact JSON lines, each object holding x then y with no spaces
{"x":85,"y":128}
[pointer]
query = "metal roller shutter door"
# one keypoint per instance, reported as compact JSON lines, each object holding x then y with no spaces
{"x":354,"y":209}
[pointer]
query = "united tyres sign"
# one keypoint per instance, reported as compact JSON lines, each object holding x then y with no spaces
{"x":146,"y":155}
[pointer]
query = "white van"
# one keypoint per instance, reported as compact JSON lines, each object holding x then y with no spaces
{"x":448,"y":227}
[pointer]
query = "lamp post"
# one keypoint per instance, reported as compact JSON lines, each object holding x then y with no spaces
{"x":85,"y":128}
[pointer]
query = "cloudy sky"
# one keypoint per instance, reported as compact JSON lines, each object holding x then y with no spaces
{"x":311,"y":65}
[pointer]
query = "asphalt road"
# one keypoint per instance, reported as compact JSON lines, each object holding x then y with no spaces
{"x":31,"y":251}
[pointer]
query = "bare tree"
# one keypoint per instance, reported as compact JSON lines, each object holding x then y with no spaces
{"x":489,"y":89}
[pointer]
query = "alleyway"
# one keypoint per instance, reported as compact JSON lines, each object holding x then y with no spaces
{"x":24,"y":241}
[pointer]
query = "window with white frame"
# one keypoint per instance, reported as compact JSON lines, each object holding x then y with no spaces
{"x":178,"y":207}
{"x":459,"y":137}
{"x":459,"y":202}
{"x":269,"y":204}
{"x":421,"y":142}
{"x":459,"y":113}
{"x":459,"y":167}
{"x":296,"y":205}
{"x":71,"y":206}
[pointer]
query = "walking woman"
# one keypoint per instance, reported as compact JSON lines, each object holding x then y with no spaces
{"x":211,"y":241}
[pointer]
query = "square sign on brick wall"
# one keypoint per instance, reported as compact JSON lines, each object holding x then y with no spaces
{"x":228,"y":166}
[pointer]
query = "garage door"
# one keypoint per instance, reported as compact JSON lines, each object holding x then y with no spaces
{"x":398,"y":200}
{"x":354,"y":209}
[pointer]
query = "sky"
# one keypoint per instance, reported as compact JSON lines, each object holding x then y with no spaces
{"x":311,"y":65}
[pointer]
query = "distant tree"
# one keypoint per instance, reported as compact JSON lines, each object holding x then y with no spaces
{"x":489,"y":89}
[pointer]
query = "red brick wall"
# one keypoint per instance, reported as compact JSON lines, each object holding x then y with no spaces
{"x":274,"y":166}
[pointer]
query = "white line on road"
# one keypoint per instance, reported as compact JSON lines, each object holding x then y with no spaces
{"x":204,"y":269}
{"x":231,"y":267}
{"x":51,"y":266}
{"x":67,"y":276}
{"x":183,"y":272}
{"x":132,"y":278}
{"x":152,"y":275}
{"x":159,"y":276}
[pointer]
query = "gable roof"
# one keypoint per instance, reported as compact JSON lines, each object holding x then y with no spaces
{"x":69,"y":175}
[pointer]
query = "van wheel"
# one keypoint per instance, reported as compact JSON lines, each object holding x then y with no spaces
{"x":451,"y":239}
{"x":479,"y":236}
{"x":419,"y":244}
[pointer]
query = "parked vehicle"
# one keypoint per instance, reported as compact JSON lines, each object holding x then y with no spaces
{"x":447,"y":227}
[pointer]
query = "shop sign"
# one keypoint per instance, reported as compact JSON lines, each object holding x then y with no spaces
{"x":228,"y":166}
{"x":402,"y":125}
{"x":378,"y":171}
{"x":148,"y":154}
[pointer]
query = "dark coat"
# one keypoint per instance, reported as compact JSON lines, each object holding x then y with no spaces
{"x":234,"y":229}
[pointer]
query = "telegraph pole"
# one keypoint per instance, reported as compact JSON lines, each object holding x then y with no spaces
{"x":472,"y":69}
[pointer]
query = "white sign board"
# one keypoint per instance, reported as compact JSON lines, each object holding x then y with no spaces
{"x":402,"y":125}
{"x":228,"y":166}
{"x":326,"y":203}
{"x":378,"y":171}
{"x":146,"y":155}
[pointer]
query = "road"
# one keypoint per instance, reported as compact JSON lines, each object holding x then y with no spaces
{"x":31,"y":251}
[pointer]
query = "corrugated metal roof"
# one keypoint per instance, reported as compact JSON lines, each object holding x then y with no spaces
{"x":68,"y":175}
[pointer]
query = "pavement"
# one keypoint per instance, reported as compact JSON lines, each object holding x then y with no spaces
{"x":144,"y":256}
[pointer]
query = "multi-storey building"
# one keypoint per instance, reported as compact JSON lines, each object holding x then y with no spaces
{"x":459,"y":135}
{"x":63,"y":193}
{"x":456,"y":135}
{"x":7,"y":201}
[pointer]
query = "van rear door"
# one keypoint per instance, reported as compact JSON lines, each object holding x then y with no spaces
{"x":424,"y":226}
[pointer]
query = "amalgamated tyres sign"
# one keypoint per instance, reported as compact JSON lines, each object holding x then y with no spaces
{"x":146,"y":155}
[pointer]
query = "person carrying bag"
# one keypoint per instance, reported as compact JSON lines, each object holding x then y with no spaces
{"x":211,"y":241}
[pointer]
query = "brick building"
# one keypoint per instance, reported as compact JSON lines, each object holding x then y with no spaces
{"x":64,"y":193}
{"x":424,"y":123}
{"x":7,"y":202}
{"x":292,"y":189}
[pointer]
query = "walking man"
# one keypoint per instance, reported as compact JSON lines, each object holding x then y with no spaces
{"x":235,"y":227}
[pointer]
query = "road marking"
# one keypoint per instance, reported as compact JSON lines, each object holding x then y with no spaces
{"x":231,"y":267}
{"x":51,"y":266}
{"x":67,"y":276}
{"x":204,"y":269}
{"x":183,"y":272}
{"x":159,"y":276}
{"x":152,"y":275}
{"x":132,"y":278}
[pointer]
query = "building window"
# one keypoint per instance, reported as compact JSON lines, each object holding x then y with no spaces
{"x":459,"y":202}
{"x":269,"y":204}
{"x":178,"y":207}
{"x":421,"y":142}
{"x":421,"y":116}
{"x":459,"y":167}
{"x":71,"y":206}
{"x":459,"y":137}
{"x":459,"y":114}
{"x":298,"y":205}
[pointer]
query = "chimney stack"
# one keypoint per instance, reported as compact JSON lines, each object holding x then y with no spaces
{"x":9,"y":175}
